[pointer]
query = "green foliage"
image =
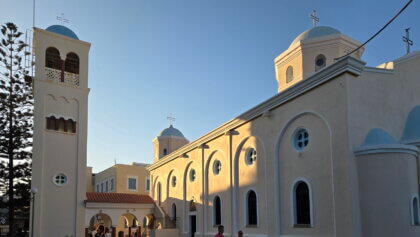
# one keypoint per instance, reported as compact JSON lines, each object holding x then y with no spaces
{"x":16,"y":124}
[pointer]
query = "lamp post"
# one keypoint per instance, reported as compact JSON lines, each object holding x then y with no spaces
{"x":34,"y":191}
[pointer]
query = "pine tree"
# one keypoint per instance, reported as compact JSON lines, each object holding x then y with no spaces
{"x":16,"y":123}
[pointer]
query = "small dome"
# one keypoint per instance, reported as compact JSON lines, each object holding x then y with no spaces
{"x":171,"y":132}
{"x":62,"y":30}
{"x":412,"y":126}
{"x":315,"y":32}
{"x":378,"y":136}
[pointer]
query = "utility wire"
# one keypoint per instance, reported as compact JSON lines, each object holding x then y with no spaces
{"x":377,"y":33}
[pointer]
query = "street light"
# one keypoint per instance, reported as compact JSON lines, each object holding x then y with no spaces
{"x":34,"y":191}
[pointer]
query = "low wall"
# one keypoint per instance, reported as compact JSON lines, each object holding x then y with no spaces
{"x":164,"y":233}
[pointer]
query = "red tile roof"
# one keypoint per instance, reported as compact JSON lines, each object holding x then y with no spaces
{"x":118,"y":198}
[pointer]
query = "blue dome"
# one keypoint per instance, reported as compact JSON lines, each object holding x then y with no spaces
{"x":412,"y":126}
{"x":171,"y":132}
{"x":378,"y":136}
{"x":315,"y":32}
{"x":62,"y":30}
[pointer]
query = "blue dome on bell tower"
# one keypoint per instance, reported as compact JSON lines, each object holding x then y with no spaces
{"x":62,"y":30}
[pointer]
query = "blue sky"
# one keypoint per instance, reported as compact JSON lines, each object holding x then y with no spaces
{"x":205,"y":61}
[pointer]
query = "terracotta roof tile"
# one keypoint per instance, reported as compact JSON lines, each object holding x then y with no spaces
{"x":118,"y":198}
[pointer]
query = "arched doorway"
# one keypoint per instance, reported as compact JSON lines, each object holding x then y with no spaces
{"x":100,"y":223}
{"x":128,"y":224}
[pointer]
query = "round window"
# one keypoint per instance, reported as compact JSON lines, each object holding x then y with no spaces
{"x":60,"y":179}
{"x":320,"y":62}
{"x":192,"y":175}
{"x":173,"y":181}
{"x":217,"y":167}
{"x":301,"y":139}
{"x":251,"y":156}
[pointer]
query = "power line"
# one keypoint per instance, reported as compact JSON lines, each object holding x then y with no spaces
{"x":377,"y":33}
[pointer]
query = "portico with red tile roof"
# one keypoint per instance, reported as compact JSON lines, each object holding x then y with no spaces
{"x":118,"y":211}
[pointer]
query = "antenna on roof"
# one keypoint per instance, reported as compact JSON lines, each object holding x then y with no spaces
{"x":33,"y":14}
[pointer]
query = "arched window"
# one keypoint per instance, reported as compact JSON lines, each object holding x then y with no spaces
{"x":289,"y":74}
{"x":51,"y":121}
{"x":217,"y":211}
{"x":135,"y":222}
{"x":173,"y":211}
{"x":71,"y":126}
{"x":72,"y":63}
{"x":320,"y":62}
{"x":165,"y":151}
{"x":251,"y":212}
{"x":302,"y":205}
{"x":415,"y":211}
{"x":62,"y":125}
{"x":159,"y":193}
{"x":52,"y":58}
{"x":173,"y":181}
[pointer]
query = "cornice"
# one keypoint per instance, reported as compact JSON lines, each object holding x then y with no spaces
{"x":379,"y":70}
{"x":413,"y":142}
{"x":50,"y":82}
{"x":62,"y":37}
{"x":345,"y":65}
{"x":387,"y":148}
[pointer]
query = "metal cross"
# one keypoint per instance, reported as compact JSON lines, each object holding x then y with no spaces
{"x":62,"y":19}
{"x":407,"y":39}
{"x":314,"y":18}
{"x":171,"y":119}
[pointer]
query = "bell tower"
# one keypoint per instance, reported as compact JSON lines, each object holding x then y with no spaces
{"x":310,"y":52}
{"x":60,"y":132}
{"x":169,"y":140}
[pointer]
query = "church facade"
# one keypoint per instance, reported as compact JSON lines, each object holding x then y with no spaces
{"x":334,"y":153}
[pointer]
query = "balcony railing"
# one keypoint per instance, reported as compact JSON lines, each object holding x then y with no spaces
{"x":55,"y":75}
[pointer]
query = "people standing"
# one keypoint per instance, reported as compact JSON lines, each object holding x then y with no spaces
{"x":220,"y":231}
{"x":107,"y":232}
{"x":93,"y":232}
{"x":240,"y":233}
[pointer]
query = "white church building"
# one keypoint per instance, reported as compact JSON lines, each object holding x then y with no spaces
{"x":334,"y":153}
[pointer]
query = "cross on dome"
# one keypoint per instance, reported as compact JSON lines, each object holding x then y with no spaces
{"x":407,"y":40}
{"x":62,"y":19}
{"x":314,"y":18}
{"x":171,"y":119}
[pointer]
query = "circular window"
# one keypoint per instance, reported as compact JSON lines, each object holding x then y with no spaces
{"x":217,"y":167}
{"x":320,"y":62}
{"x":301,"y":139}
{"x":251,"y":156}
{"x":192,"y":175}
{"x":60,"y":179}
{"x":173,"y":181}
